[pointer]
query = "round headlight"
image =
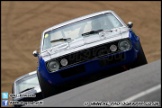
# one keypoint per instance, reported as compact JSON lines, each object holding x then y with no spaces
{"x":64,"y":62}
{"x":53,"y":66}
{"x":113,"y":48}
{"x":124,"y":45}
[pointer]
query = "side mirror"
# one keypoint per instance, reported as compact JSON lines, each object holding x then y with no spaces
{"x":130,"y":24}
{"x":35,"y":53}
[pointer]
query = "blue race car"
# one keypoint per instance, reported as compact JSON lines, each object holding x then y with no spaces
{"x":84,"y":46}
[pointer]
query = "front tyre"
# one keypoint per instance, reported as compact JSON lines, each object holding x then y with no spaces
{"x":141,"y":58}
{"x":47,"y":89}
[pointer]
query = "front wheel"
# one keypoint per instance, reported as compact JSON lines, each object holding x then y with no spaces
{"x":47,"y":89}
{"x":141,"y":59}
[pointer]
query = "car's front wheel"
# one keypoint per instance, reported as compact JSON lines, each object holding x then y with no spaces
{"x":47,"y":89}
{"x":141,"y":58}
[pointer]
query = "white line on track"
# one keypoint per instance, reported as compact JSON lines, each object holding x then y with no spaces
{"x":134,"y":97}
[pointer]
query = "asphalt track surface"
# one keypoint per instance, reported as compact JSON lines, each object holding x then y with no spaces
{"x":142,"y":84}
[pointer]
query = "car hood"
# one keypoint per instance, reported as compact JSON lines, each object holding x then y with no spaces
{"x":85,"y":42}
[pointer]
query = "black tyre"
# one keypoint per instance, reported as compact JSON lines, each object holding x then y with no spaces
{"x":47,"y":89}
{"x":141,"y":59}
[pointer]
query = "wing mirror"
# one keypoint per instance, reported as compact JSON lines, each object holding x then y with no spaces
{"x":130,"y":24}
{"x":35,"y":53}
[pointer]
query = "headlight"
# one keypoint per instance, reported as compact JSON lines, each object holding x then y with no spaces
{"x":113,"y":48}
{"x":53,"y":66}
{"x":124,"y":45}
{"x":64,"y":62}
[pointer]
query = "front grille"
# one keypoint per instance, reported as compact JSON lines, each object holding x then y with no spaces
{"x":87,"y":54}
{"x":72,"y":71}
{"x":112,"y":59}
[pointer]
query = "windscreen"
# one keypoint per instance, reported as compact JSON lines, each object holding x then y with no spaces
{"x":27,"y":82}
{"x":75,"y":30}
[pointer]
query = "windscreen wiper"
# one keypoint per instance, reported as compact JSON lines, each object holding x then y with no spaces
{"x":92,"y":32}
{"x":27,"y":89}
{"x":64,"y":39}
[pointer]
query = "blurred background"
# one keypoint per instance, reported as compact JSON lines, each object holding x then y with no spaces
{"x":23,"y":22}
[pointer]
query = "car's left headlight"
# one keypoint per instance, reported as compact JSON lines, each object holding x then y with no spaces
{"x":124,"y":45}
{"x":53,"y":66}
